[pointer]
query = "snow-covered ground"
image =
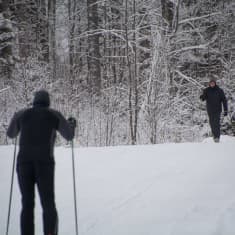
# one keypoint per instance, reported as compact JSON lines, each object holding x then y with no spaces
{"x":167,"y":189}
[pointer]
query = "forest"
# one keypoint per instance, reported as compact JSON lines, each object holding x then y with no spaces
{"x":130,"y":71}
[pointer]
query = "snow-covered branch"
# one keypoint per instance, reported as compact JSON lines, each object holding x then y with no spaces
{"x":193,"y":81}
{"x":199,"y":17}
{"x":4,"y":89}
{"x":201,"y":47}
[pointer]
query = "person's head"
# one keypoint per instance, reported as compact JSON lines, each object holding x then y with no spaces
{"x":41,"y":99}
{"x":212,"y":83}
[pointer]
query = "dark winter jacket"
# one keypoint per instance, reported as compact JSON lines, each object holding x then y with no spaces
{"x":37,"y":127}
{"x":214,"y":97}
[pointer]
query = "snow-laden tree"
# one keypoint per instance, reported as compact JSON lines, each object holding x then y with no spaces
{"x":130,"y":71}
{"x":7,"y":38}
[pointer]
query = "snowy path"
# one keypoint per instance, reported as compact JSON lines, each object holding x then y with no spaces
{"x":170,"y":189}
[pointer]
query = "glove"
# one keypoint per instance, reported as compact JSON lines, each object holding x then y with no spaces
{"x":225,"y":113}
{"x":72,"y":122}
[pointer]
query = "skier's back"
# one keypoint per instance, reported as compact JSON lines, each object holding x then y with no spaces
{"x":35,"y":161}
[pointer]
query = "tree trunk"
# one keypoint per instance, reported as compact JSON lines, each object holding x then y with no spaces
{"x":168,"y":11}
{"x":7,"y":37}
{"x":72,"y":22}
{"x":94,"y":68}
{"x":52,"y":39}
{"x":43,"y":28}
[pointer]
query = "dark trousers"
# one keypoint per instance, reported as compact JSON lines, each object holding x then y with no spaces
{"x":41,"y":174}
{"x":214,"y":120}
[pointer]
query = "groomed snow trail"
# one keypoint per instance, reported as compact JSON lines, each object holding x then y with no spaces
{"x":168,"y":189}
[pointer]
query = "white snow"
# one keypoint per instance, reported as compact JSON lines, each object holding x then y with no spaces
{"x":167,"y":189}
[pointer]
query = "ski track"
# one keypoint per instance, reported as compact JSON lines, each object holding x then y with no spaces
{"x":122,"y":203}
{"x":225,"y":224}
{"x":115,"y":207}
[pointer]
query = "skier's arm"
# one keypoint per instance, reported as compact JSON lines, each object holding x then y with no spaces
{"x":64,"y":128}
{"x":203,"y":97}
{"x":224,"y":101}
{"x":14,"y":126}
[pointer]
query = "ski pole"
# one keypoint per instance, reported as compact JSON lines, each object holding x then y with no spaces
{"x":74,"y":189}
{"x":11,"y":189}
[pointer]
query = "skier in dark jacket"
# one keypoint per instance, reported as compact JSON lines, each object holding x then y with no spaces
{"x":35,"y":160}
{"x":215,"y":97}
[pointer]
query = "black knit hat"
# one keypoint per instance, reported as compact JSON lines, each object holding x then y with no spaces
{"x":41,"y":98}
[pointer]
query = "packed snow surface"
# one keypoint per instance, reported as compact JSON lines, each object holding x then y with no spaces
{"x":166,"y":189}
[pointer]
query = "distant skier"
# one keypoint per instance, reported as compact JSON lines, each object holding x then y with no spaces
{"x":215,"y":97}
{"x":35,"y":161}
